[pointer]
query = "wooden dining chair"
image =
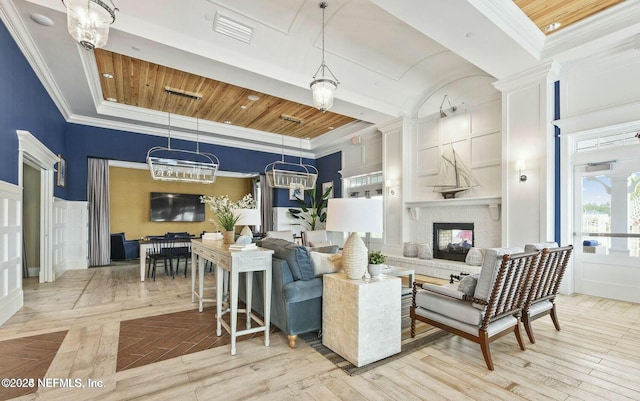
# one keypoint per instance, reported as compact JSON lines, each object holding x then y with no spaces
{"x":159,"y":250}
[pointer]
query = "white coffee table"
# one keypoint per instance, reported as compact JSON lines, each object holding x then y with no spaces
{"x":399,"y":272}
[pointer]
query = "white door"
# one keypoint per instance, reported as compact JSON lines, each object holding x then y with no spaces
{"x":607,"y":227}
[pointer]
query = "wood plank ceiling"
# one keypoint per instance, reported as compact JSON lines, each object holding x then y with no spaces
{"x":142,"y":84}
{"x":543,"y":13}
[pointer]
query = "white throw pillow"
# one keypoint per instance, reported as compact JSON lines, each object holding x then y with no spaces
{"x":324,"y":263}
{"x":319,"y":244}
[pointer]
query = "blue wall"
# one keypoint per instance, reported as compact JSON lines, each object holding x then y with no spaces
{"x":85,"y":141}
{"x":556,"y":186}
{"x":328,"y":167}
{"x":25,"y":105}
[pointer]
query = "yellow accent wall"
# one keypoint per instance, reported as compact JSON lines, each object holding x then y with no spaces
{"x":129,"y":191}
{"x":31,"y":214}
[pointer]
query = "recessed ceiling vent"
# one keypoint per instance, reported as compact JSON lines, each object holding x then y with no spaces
{"x":232,"y":29}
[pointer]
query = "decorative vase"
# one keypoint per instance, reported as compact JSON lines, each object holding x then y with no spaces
{"x":410,"y":250}
{"x":425,"y":251}
{"x":354,"y":257}
{"x":375,"y":269}
{"x":229,"y":237}
{"x":474,"y":257}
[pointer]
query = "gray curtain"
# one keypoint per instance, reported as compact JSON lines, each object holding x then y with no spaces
{"x":266,"y":204}
{"x":98,"y":197}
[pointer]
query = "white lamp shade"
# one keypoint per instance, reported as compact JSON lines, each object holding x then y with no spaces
{"x":248,"y":217}
{"x":354,"y":215}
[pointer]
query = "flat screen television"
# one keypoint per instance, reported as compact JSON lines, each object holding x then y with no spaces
{"x":176,"y":207}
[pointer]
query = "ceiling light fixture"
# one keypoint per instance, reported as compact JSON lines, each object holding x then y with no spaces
{"x":323,"y":86}
{"x":281,"y":174}
{"x":167,"y":164}
{"x":292,"y":119}
{"x":553,"y":26}
{"x":41,"y":19}
{"x":453,"y":108}
{"x":88,"y":21}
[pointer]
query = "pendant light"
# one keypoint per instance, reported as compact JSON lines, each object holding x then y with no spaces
{"x":323,"y":85}
{"x":281,"y":174}
{"x":88,"y":21}
{"x":167,"y":164}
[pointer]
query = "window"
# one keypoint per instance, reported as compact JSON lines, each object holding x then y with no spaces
{"x":367,"y":186}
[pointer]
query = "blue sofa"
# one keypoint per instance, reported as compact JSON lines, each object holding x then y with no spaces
{"x":123,"y":249}
{"x":296,"y":294}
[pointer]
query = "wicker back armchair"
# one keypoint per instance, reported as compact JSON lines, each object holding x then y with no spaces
{"x":487,"y":312}
{"x":544,"y":288}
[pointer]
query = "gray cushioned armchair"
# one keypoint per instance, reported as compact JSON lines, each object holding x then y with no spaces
{"x":486,"y":311}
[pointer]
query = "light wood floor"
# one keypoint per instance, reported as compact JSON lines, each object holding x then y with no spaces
{"x":596,"y":356}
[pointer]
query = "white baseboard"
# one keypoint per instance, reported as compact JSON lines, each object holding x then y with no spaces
{"x":77,"y":264}
{"x":10,"y":304}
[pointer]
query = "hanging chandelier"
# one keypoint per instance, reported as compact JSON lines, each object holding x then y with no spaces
{"x":88,"y":21}
{"x":167,"y":164}
{"x":281,"y":174}
{"x":323,"y":85}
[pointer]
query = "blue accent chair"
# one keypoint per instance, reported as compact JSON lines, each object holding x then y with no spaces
{"x":123,"y":249}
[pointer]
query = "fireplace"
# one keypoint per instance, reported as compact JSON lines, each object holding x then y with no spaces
{"x":452,"y":241}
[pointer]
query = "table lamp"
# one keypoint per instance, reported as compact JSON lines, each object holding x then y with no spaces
{"x":354,"y":215}
{"x":248,"y":217}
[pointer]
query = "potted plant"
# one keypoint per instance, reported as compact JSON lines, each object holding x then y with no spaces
{"x":314,"y":213}
{"x":223,"y":207}
{"x":376,"y":259}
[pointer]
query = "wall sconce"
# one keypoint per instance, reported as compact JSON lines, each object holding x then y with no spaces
{"x":392,"y":187}
{"x":452,"y":107}
{"x":520,"y":166}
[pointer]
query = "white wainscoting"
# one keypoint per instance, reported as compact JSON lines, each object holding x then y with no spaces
{"x":11,"y":296}
{"x":70,"y":236}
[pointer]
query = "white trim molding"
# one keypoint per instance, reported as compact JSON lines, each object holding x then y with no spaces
{"x":11,"y":295}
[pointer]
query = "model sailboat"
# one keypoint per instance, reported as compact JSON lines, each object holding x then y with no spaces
{"x":454,"y":176}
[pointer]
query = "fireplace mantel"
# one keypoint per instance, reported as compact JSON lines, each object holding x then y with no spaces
{"x":491,"y":202}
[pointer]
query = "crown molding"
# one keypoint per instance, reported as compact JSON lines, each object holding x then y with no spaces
{"x":11,"y":18}
{"x":391,"y":125}
{"x":512,"y":21}
{"x":622,"y":117}
{"x":337,"y":139}
{"x":28,"y":143}
{"x":209,"y":138}
{"x":589,"y":35}
{"x":547,"y":71}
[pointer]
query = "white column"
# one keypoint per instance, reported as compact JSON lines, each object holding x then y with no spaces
{"x":396,"y":159}
{"x":527,"y":134}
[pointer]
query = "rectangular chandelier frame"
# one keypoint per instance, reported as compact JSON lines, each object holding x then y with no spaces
{"x":179,"y":169}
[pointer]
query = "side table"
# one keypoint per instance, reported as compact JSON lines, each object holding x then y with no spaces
{"x":234,"y":263}
{"x":361,"y":319}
